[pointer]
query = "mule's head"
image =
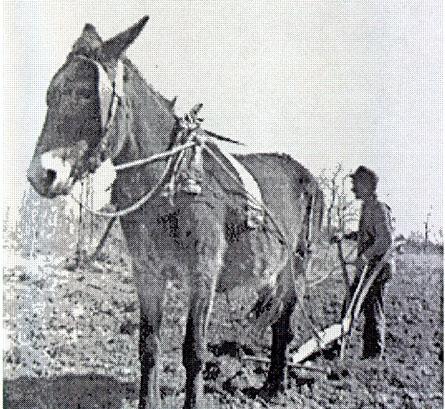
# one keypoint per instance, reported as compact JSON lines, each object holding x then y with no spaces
{"x":83,"y":100}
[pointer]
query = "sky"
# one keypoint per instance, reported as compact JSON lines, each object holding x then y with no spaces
{"x":328,"y":82}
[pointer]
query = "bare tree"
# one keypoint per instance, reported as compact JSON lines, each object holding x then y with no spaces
{"x":341,"y":216}
{"x":427,"y":231}
{"x":340,"y":213}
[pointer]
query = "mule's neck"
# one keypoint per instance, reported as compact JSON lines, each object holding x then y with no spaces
{"x":149,"y":120}
{"x":149,"y":126}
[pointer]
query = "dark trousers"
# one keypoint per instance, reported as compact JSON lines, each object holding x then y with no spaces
{"x":373,"y":311}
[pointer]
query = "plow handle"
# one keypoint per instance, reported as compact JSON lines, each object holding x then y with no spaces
{"x":360,"y":293}
{"x":345,"y":272}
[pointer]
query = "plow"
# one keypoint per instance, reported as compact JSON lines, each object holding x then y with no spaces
{"x":339,"y":332}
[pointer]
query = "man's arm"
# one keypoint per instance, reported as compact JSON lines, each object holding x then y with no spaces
{"x":337,"y":237}
{"x":383,"y":233}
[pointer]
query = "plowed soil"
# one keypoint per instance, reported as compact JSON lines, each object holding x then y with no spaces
{"x":71,"y":341}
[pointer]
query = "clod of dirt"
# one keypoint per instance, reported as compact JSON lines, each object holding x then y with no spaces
{"x":128,"y":327}
{"x":130,"y":307}
{"x":40,"y":284}
{"x":24,"y":276}
{"x":211,"y":371}
{"x":301,"y":380}
{"x":167,"y":391}
{"x":238,"y":382}
{"x":333,"y":376}
{"x":260,"y":369}
{"x":230,"y":348}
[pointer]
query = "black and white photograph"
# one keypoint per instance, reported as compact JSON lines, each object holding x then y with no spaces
{"x":222,"y":204}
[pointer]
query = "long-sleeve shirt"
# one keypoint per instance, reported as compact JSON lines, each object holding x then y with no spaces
{"x":374,"y":236}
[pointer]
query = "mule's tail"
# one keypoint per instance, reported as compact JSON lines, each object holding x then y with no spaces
{"x":290,"y":283}
{"x":317,"y":212}
{"x":312,"y":220}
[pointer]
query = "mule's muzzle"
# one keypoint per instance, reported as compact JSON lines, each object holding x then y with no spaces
{"x":53,"y":172}
{"x":50,"y":176}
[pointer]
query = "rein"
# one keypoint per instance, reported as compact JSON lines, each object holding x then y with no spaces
{"x":156,"y":189}
{"x":189,"y":126}
{"x":198,"y":140}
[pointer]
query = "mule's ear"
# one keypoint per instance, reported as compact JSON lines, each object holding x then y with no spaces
{"x":89,"y":39}
{"x":114,"y":47}
{"x":173,"y":102}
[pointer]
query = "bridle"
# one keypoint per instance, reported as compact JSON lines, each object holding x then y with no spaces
{"x":111,"y":95}
{"x":114,"y":91}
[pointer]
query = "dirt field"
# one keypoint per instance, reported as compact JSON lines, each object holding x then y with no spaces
{"x":71,"y":342}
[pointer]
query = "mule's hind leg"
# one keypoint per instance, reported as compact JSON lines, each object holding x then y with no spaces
{"x":282,"y":335}
{"x":205,"y":265}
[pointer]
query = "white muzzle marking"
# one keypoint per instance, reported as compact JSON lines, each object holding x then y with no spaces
{"x":51,"y":161}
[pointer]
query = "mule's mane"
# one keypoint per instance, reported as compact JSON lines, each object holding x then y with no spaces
{"x":165,"y":102}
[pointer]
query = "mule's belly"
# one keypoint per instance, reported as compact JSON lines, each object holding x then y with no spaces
{"x":254,"y":257}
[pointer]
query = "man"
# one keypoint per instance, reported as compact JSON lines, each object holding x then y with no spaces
{"x":374,"y":238}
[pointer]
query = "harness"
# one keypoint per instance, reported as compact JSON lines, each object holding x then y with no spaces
{"x":111,"y":94}
{"x":193,"y":138}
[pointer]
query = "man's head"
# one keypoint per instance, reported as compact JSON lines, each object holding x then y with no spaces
{"x":364,"y":182}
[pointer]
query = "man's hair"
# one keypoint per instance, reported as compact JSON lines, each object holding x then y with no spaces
{"x":366,"y":174}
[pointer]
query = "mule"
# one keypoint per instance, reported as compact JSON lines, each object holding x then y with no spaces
{"x":99,"y":108}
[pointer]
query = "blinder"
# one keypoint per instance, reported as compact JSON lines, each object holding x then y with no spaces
{"x":110,"y":95}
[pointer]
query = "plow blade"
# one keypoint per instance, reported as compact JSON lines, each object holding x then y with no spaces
{"x":326,"y":337}
{"x":340,"y":331}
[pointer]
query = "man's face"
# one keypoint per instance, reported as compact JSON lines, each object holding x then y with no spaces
{"x":361,"y":187}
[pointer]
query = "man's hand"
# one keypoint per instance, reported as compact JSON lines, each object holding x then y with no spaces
{"x":339,"y":236}
{"x":360,"y":262}
{"x":336,"y":238}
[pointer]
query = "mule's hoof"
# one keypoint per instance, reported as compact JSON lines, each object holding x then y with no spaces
{"x":71,"y":264}
{"x":270,"y":390}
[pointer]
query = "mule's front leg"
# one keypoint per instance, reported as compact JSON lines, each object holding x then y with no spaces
{"x":194,"y":348}
{"x":151,"y":296}
{"x":205,"y":265}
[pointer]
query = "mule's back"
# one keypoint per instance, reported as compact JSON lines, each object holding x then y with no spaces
{"x":259,"y":255}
